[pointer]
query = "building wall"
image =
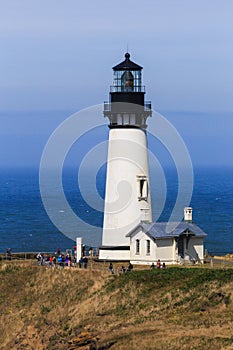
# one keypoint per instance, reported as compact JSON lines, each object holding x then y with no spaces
{"x":141,"y":256}
{"x":120,"y":255}
{"x":163,"y":249}
{"x":196,"y":248}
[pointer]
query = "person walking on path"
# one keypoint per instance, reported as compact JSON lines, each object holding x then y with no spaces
{"x":152,"y":266}
{"x":158,"y":265}
{"x":8,"y":253}
{"x":54,"y":262}
{"x":50,"y":261}
{"x":123,"y":269}
{"x":39,"y":259}
{"x":80,"y":262}
{"x":85,"y":262}
{"x":111,"y":268}
{"x":130,"y":267}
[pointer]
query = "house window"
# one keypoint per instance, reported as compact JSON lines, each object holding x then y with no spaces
{"x":148,"y":247}
{"x":137,"y":246}
{"x":142,"y":187}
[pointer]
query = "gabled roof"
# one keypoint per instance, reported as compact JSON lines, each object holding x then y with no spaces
{"x":158,"y":230}
{"x":127,"y":64}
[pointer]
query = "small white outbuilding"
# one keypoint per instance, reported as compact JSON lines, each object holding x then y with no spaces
{"x":171,"y":242}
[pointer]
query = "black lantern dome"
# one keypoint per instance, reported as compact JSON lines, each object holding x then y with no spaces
{"x":127,"y":64}
{"x":127,"y":107}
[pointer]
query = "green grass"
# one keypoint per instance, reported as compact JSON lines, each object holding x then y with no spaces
{"x":184,"y":278}
{"x":174,"y":290}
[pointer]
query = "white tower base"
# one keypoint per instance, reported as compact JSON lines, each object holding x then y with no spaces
{"x":127,"y":197}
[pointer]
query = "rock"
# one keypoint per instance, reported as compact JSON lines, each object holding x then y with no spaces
{"x":84,"y":341}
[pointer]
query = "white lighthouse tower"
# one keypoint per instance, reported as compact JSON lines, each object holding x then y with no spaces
{"x":127,"y":194}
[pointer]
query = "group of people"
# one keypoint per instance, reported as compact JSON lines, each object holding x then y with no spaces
{"x":123,"y":269}
{"x":158,"y":265}
{"x":61,"y":260}
{"x":52,"y":261}
{"x":83,"y":261}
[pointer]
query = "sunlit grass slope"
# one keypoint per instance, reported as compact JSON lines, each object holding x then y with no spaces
{"x":176,"y":308}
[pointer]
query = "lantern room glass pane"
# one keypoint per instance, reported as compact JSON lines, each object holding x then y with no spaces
{"x":127,"y":81}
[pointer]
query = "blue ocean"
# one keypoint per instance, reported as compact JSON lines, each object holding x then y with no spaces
{"x":25,"y":225}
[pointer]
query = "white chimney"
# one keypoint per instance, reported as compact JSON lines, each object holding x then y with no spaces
{"x":188,"y":214}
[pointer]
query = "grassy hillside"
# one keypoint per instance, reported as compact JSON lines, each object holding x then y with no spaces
{"x":176,"y":308}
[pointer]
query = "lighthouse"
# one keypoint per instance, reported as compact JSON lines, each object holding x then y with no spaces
{"x":127,"y":191}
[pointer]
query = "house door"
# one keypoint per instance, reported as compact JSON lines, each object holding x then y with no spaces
{"x":180,"y":244}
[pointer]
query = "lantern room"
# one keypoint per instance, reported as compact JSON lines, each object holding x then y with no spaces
{"x":127,"y":106}
{"x":127,"y":76}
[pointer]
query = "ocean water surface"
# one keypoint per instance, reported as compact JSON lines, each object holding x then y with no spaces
{"x":25,"y":225}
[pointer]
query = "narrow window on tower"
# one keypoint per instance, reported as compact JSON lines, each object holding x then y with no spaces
{"x":148,"y":247}
{"x":142,"y":188}
{"x":137,"y":246}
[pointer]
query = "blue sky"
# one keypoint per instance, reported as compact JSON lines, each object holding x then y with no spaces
{"x":56,"y":58}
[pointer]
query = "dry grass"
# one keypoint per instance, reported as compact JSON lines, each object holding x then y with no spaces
{"x":179,"y":308}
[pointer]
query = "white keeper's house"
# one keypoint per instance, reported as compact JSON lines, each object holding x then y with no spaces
{"x":171,"y":242}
